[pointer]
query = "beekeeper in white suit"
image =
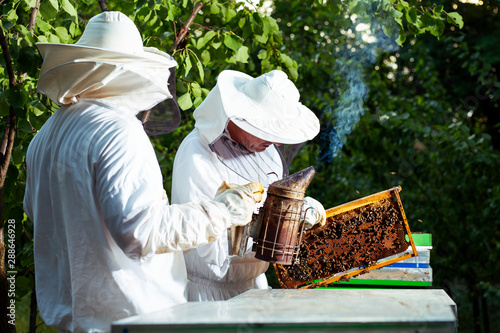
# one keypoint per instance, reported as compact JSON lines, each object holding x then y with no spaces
{"x":107,"y":243}
{"x":238,"y":129}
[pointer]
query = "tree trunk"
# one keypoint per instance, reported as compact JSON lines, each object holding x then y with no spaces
{"x":33,"y":311}
{"x":5,"y":153}
{"x":475,"y":313}
{"x":485,"y":314}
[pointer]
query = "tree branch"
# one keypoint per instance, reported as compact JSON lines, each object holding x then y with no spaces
{"x":5,"y":154}
{"x":185,"y":29}
{"x":178,"y":39}
{"x":34,"y":13}
{"x":102,"y":3}
{"x":9,"y":132}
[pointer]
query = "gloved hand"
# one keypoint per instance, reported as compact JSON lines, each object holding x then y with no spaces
{"x":314,"y":213}
{"x":240,"y":200}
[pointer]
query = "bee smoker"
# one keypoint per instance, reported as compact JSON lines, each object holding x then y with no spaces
{"x":278,"y":225}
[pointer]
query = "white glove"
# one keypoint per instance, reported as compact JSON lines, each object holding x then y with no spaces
{"x":240,"y":201}
{"x":314,"y":213}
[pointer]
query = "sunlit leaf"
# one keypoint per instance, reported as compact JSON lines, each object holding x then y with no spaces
{"x":62,"y":33}
{"x":456,"y":19}
{"x":201,"y":71}
{"x":242,"y":54}
{"x":232,"y":41}
{"x":68,"y":8}
{"x":196,"y":89}
{"x":187,"y":65}
{"x":185,"y":101}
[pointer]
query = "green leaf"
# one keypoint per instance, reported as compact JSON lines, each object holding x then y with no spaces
{"x":266,"y":27}
{"x":4,"y":106}
{"x":261,"y":39}
{"x":23,"y":283}
{"x":241,"y":22}
{"x":278,"y":37}
{"x":293,"y":73}
{"x":384,"y":5}
{"x":53,"y":38}
{"x":187,"y":66}
{"x":12,"y":15}
{"x":456,"y":19}
{"x":49,"y":9}
{"x":30,"y":3}
{"x":206,"y":38}
{"x":54,"y":4}
{"x":197,"y":102}
{"x":196,"y":89}
{"x":427,"y":20}
{"x":262,"y":54}
{"x":173,"y":12}
{"x":247,"y":31}
{"x":438,"y":9}
{"x":242,"y":55}
{"x":401,"y":38}
{"x":72,"y":29}
{"x":42,"y":25}
{"x":216,"y":45}
{"x":230,"y":14}
{"x":62,"y":33}
{"x":68,"y":8}
{"x":185,"y":101}
{"x":42,"y":39}
{"x":286,"y":60}
{"x":37,"y":108}
{"x":389,"y":30}
{"x":437,"y":29}
{"x":201,"y":70}
{"x":233,"y":42}
{"x":17,"y":156}
{"x":358,"y":7}
{"x":205,"y":57}
{"x":16,"y":97}
{"x":205,"y":91}
{"x":411,"y":16}
{"x":214,"y":8}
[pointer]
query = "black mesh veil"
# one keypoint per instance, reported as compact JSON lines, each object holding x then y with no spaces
{"x":254,"y":167}
{"x":165,"y":116}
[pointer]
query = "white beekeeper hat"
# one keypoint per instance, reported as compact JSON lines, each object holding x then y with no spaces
{"x":267,"y":107}
{"x":108,"y":62}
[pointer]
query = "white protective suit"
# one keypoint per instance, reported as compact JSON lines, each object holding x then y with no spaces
{"x":268,"y":108}
{"x":107,"y":244}
{"x":100,"y":213}
{"x":213,"y":274}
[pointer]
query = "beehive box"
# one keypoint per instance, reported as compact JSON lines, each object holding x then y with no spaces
{"x":357,"y":237}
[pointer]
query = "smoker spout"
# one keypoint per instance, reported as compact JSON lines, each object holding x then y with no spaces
{"x":293,"y":186}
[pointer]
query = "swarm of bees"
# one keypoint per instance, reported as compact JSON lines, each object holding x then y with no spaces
{"x":354,"y":239}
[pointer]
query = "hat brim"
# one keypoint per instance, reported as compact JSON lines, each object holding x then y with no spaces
{"x":54,"y":54}
{"x":302,"y":124}
{"x":71,"y":72}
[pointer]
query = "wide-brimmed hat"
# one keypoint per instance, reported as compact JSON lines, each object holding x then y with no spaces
{"x":267,"y":107}
{"x":108,"y":62}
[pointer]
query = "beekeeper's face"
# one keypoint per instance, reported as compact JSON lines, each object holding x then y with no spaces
{"x":249,"y":141}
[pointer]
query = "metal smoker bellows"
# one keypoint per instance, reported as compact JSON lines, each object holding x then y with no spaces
{"x":280,"y":218}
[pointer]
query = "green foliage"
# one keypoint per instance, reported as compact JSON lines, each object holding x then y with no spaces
{"x":424,"y":116}
{"x":406,"y":94}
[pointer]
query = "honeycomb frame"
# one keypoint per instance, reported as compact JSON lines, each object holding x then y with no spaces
{"x":358,"y":236}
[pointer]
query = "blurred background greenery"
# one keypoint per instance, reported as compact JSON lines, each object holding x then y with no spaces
{"x":407,"y":94}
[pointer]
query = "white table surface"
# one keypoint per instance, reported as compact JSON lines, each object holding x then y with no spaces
{"x":301,"y":310}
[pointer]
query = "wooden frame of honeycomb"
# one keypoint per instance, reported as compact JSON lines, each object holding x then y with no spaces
{"x":357,"y":237}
